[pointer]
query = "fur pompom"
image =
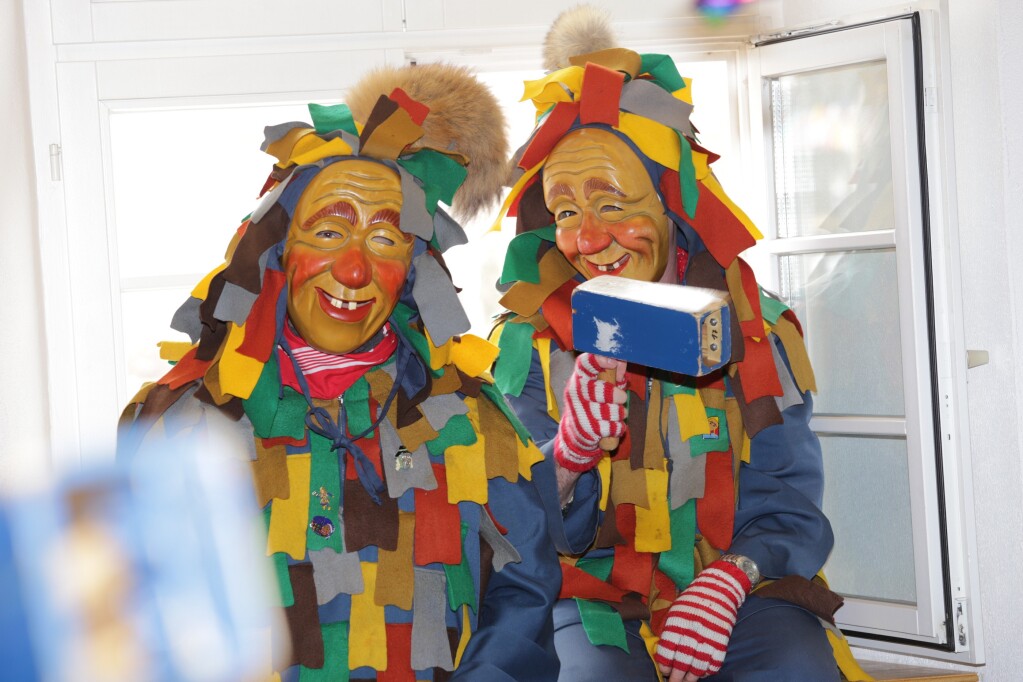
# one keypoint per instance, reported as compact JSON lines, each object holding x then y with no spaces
{"x":580,"y":30}
{"x":464,"y":118}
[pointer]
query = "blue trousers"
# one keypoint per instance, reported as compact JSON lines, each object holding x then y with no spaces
{"x":773,"y":641}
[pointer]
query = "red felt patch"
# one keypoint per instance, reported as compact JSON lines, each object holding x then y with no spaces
{"x":601,"y":90}
{"x":757,"y":371}
{"x":417,"y":111}
{"x":715,"y":511}
{"x":632,"y":571}
{"x":186,"y":370}
{"x":557,"y":311}
{"x":754,"y":327}
{"x":399,"y":654}
{"x":261,"y":324}
{"x":550,"y":133}
{"x":576,"y":582}
{"x":723,"y":234}
{"x":438,"y":533}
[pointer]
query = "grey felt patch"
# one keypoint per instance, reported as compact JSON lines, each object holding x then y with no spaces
{"x":648,"y":100}
{"x":438,"y":409}
{"x":269,"y":199}
{"x":688,"y":475}
{"x":447,"y":231}
{"x":275,"y":132}
{"x":504,"y":550}
{"x":186,"y":318}
{"x":234,"y":304}
{"x":418,"y":475}
{"x":790,"y":393}
{"x":415,"y":219}
{"x":334,"y":573}
{"x":437,"y":301}
{"x":562,"y":366}
{"x":430,"y":646}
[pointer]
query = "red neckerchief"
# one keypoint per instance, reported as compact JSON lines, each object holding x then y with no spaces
{"x":329,"y":375}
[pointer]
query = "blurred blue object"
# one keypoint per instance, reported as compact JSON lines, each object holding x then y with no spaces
{"x":145,"y":570}
{"x":14,"y":638}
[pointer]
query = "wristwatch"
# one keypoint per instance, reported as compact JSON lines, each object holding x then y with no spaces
{"x":746,"y":565}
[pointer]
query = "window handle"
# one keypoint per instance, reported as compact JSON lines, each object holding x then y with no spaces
{"x":976,"y":358}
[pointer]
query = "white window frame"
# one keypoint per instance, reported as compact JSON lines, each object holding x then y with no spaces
{"x":946,"y":622}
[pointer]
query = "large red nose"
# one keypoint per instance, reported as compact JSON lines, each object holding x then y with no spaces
{"x":352,"y":269}
{"x":593,"y":235}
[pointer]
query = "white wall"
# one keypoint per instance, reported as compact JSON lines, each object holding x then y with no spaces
{"x":988,"y":92}
{"x":24,"y":428}
{"x":986,"y":62}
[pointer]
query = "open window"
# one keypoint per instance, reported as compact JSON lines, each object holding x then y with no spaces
{"x":858,"y":243}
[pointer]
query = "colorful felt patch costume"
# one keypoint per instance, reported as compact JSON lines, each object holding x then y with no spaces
{"x":723,"y":462}
{"x":408,"y":539}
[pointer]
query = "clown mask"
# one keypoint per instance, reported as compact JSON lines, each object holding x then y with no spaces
{"x":346,"y":258}
{"x":610,"y":220}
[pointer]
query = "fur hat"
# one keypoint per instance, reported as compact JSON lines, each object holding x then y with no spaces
{"x":464,"y":118}
{"x":579,"y":30}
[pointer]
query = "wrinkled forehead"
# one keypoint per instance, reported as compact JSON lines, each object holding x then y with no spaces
{"x":359,"y":181}
{"x":594,"y":152}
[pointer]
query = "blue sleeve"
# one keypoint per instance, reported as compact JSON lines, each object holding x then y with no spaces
{"x":515,"y":636}
{"x":573,"y":528}
{"x":778,"y":519}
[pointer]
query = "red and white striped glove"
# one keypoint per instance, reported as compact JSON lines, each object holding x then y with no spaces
{"x":700,"y":622}
{"x":594,"y":409}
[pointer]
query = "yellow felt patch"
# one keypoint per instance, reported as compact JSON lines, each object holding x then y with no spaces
{"x":552,"y":88}
{"x":466,"y":633}
{"x":650,"y":641}
{"x":469,"y":353}
{"x":653,"y":525}
{"x":238,"y":373}
{"x":466,"y":465}
{"x":692,"y":415}
{"x":685,"y":94}
{"x":711,"y":183}
{"x":173,"y":350}
{"x":654,"y":139}
{"x":203,"y":287}
{"x":335,"y":147}
{"x":543,"y":349}
{"x":528,"y":455}
{"x":367,"y":634}
{"x":604,"y":470}
{"x":289,"y":517}
{"x":283,"y":148}
{"x":515,"y":191}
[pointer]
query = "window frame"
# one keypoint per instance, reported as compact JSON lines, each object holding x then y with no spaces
{"x":930,"y":310}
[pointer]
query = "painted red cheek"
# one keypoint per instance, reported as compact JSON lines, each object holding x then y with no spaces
{"x":302,"y":265}
{"x":391,"y":276}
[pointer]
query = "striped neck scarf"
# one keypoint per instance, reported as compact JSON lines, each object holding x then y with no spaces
{"x":330,"y":375}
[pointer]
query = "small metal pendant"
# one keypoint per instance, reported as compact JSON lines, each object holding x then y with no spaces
{"x":402,"y":459}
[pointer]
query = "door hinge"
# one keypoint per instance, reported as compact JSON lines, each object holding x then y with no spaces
{"x":56,"y":163}
{"x":931,"y":99}
{"x":962,"y":623}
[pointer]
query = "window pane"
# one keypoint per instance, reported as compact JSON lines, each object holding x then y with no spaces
{"x":849,"y":307}
{"x":145,"y":321}
{"x":867,"y":492}
{"x":832,"y":151}
{"x":183,"y":179}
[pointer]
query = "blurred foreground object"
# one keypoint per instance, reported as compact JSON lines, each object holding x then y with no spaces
{"x":145,"y":571}
{"x":719,"y":9}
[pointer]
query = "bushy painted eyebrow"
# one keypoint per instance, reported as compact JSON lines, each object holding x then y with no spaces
{"x":386,"y":215}
{"x":560,"y":189}
{"x":592,"y":185}
{"x":341,"y":209}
